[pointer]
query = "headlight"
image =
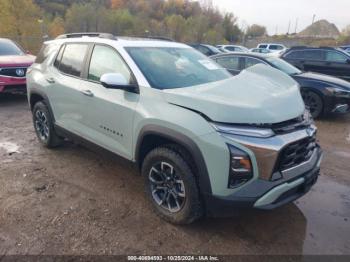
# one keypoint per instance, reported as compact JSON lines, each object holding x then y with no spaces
{"x":339,"y":92}
{"x":243,"y":130}
{"x":241,"y":170}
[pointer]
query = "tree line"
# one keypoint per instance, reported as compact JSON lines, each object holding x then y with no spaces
{"x":181,"y":20}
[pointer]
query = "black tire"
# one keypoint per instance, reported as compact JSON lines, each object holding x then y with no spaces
{"x":313,"y":102}
{"x":43,"y":126}
{"x":182,"y":204}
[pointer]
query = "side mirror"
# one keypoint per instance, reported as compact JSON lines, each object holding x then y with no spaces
{"x":117,"y":81}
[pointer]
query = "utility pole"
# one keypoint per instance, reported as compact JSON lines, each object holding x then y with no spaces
{"x":288,"y":27}
{"x":313,"y":19}
{"x":296,"y":25}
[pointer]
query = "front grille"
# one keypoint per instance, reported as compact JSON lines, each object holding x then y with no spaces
{"x":15,"y":89}
{"x":290,"y":125}
{"x":297,"y":153}
{"x":13,"y":71}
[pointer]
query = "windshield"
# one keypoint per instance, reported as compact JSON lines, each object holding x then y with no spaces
{"x":9,"y":48}
{"x":170,"y":67}
{"x":283,"y":66}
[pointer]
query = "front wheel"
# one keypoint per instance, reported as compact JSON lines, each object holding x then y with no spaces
{"x":314,"y":103}
{"x":171,"y":186}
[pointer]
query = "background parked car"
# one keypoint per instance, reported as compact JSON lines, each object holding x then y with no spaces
{"x":232,"y":48}
{"x":260,"y":50}
{"x":325,"y":60}
{"x":322,"y":94}
{"x":14,"y":62}
{"x":208,"y":50}
{"x":274,"y":48}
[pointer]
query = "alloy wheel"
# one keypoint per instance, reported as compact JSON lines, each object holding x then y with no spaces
{"x":313,"y":102}
{"x":42,"y":125}
{"x":167,"y":188}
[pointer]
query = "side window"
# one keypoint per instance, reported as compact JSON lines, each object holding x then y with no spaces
{"x":230,"y":48}
{"x":296,"y":55}
{"x":72,"y":61}
{"x":314,"y":55}
{"x":333,"y":56}
{"x":262,"y":46}
{"x":252,"y":61}
{"x":204,"y":50}
{"x":44,"y":52}
{"x":59,"y":57}
{"x":275,"y":47}
{"x":106,"y":60}
{"x":230,"y":63}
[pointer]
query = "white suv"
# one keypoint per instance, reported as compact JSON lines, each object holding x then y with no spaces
{"x":273,"y":48}
{"x":205,"y":142}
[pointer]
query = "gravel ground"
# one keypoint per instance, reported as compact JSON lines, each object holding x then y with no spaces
{"x":77,"y":202}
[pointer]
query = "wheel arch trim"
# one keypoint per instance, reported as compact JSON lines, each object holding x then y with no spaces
{"x":182,"y":140}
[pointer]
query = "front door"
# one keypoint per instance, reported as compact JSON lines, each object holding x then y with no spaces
{"x":108,"y":114}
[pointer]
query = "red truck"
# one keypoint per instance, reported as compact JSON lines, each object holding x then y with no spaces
{"x":14,"y":62}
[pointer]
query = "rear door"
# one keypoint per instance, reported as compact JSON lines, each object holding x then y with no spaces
{"x":65,"y":86}
{"x":337,"y":64}
{"x":314,"y":61}
{"x":108,"y":114}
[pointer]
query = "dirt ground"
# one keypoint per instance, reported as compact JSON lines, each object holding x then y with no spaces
{"x":74,"y":201}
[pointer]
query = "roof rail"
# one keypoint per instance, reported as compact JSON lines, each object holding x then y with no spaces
{"x":311,"y":47}
{"x":163,"y":38}
{"x":88,"y":34}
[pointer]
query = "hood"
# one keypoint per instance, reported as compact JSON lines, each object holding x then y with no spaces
{"x":16,"y":60}
{"x":259,"y":95}
{"x":332,"y":81}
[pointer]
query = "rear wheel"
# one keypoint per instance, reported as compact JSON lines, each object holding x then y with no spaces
{"x":44,"y":127}
{"x":313,"y":102}
{"x":171,"y":186}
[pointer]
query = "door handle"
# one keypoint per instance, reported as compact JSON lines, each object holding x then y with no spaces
{"x":87,"y":93}
{"x":50,"y":80}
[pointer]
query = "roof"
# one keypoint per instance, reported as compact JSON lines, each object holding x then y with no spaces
{"x":124,"y":41}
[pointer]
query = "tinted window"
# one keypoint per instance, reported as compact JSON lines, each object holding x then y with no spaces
{"x":8,"y":47}
{"x":231,"y":63}
{"x":44,"y":52}
{"x":72,"y":61}
{"x":275,"y":47}
{"x":252,"y":61}
{"x":314,"y":55}
{"x":230,"y":48}
{"x":59,"y":57}
{"x":262,"y":46}
{"x":171,"y":67}
{"x":106,"y":60}
{"x":204,"y":50}
{"x":296,"y":55}
{"x":333,"y":56}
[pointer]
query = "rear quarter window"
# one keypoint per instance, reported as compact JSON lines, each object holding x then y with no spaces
{"x":45,"y":51}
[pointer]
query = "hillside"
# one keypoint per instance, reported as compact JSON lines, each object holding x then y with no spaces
{"x":320,"y":29}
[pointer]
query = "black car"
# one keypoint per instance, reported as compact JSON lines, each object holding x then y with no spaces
{"x":207,"y":50}
{"x":325,"y":60}
{"x":322,"y":94}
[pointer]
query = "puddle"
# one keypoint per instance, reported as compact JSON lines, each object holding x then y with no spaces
{"x":327,"y":212}
{"x":342,"y":154}
{"x":9,"y":147}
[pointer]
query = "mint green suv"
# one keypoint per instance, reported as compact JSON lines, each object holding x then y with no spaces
{"x":206,"y":143}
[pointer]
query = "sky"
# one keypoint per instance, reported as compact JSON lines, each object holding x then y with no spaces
{"x":276,"y":14}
